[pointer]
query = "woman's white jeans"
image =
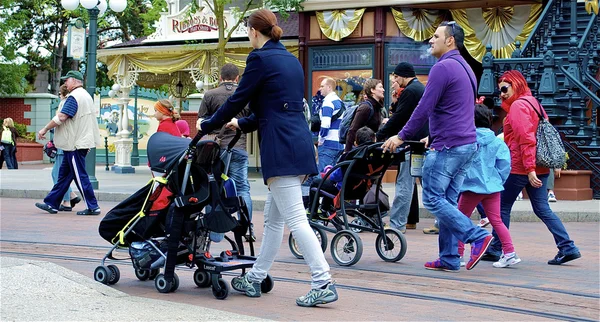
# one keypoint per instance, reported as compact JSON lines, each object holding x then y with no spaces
{"x":284,"y":206}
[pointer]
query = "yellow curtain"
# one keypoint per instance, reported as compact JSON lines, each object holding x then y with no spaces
{"x":338,"y":24}
{"x":418,"y":24}
{"x":501,"y":27}
{"x":166,"y":63}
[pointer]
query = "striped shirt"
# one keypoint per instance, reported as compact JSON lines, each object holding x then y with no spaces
{"x":329,"y":135}
{"x":70,"y":107}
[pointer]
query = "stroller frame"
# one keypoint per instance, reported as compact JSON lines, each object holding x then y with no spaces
{"x":209,"y":268}
{"x":346,"y":240}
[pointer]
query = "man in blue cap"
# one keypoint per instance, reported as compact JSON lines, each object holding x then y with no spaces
{"x":75,"y":132}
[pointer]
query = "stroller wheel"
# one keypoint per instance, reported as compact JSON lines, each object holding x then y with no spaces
{"x":346,"y":248}
{"x":102,"y":274}
{"x":267,"y":284}
{"x":115,"y":274}
{"x":222,"y":291}
{"x":202,"y":278}
{"x":175,"y":285}
{"x":396,"y":245}
{"x":142,"y":274}
{"x":359,"y":222}
{"x":321,"y":236}
{"x":164,"y":286}
{"x":153,"y":273}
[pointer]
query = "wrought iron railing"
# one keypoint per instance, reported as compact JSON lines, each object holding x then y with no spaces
{"x":534,"y":43}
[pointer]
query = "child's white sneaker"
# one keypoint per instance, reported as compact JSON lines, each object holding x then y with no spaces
{"x":507,"y":260}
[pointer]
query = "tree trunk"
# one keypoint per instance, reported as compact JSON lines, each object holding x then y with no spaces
{"x":219,"y":15}
{"x":59,"y":54}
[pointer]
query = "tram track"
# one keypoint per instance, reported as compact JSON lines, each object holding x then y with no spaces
{"x":360,"y":289}
{"x":354,"y":268}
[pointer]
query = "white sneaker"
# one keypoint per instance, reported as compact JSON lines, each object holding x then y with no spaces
{"x":462,"y":262}
{"x":507,"y":260}
{"x":520,"y":196}
{"x":551,"y":197}
{"x":483,"y":222}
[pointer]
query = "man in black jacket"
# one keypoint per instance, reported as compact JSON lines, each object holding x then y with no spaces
{"x":404,"y":76}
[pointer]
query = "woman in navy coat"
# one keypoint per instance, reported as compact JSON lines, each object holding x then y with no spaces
{"x":273,"y":86}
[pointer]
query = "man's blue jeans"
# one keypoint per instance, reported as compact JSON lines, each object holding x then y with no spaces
{"x":327,"y":156}
{"x":539,"y":202}
{"x":238,"y":172}
{"x":443,"y":173}
{"x":57,"y":163}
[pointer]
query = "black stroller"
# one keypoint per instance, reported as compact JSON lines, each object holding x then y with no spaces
{"x":169,"y":221}
{"x":363,"y":168}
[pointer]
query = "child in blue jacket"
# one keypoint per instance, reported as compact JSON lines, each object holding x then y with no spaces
{"x":484,"y":182}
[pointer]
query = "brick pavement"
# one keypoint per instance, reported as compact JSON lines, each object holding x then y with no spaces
{"x":34,"y":181}
{"x":524,"y":286}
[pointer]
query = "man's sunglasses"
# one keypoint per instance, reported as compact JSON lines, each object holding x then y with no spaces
{"x":504,"y":89}
{"x":451,"y":24}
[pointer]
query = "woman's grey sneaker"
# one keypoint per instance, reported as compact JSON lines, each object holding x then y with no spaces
{"x":506,"y":261}
{"x":316,"y":296}
{"x":242,"y":284}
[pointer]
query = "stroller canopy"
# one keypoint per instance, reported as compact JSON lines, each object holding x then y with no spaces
{"x":164,"y":150}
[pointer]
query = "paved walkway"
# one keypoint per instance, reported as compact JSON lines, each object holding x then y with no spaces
{"x":67,"y":295}
{"x":34,"y":181}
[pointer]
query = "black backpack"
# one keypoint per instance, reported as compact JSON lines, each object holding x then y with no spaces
{"x":315,"y":119}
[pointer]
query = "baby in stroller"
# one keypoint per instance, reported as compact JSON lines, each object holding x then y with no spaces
{"x":327,"y":209}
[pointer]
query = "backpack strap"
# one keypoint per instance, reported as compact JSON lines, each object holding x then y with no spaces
{"x":371,"y":110}
{"x":468,"y":75}
{"x":536,"y":111}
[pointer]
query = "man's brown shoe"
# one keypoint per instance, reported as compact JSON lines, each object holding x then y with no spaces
{"x":411,"y":226}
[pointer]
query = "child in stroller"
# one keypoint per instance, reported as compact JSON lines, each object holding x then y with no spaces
{"x":171,"y":225}
{"x":332,"y":186}
{"x":361,"y":169}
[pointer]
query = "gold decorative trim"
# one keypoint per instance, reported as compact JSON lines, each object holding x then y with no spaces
{"x":338,"y":24}
{"x":417,"y":24}
{"x":500,"y":27}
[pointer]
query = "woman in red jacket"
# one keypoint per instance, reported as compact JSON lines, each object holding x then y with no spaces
{"x":520,"y":126}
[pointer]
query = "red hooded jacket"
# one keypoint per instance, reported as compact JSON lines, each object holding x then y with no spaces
{"x":520,"y":127}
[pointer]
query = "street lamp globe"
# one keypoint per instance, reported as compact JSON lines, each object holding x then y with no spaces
{"x":117,"y":5}
{"x":89,"y":4}
{"x":102,"y":6}
{"x":199,"y":85}
{"x":69,"y":4}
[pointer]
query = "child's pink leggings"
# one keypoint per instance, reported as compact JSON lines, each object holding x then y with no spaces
{"x":491,"y":205}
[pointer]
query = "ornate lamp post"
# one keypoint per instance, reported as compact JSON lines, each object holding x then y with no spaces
{"x":95,"y":8}
{"x":179,"y":89}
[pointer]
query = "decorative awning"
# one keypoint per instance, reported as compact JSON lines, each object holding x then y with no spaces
{"x":338,"y":24}
{"x":417,"y":24}
{"x":152,"y":67}
{"x":501,"y":27}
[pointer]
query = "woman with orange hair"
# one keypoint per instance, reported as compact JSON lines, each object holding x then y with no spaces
{"x":166,"y":116}
{"x":520,"y":126}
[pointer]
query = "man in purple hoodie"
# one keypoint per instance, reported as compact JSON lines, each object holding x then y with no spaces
{"x":448,"y":103}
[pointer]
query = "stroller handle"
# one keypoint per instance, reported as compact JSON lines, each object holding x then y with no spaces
{"x":200,"y":134}
{"x":238,"y":134}
{"x":197,"y":138}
